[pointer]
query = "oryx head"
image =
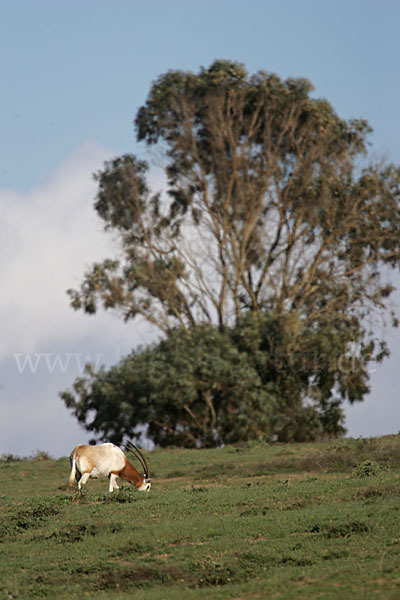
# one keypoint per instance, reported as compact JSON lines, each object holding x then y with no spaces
{"x":145,"y":486}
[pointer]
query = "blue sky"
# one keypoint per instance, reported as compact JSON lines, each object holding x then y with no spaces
{"x":73,"y":75}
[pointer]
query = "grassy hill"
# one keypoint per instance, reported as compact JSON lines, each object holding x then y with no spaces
{"x":258,"y":521}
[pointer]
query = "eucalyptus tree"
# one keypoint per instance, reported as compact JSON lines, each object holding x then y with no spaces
{"x":271,"y":208}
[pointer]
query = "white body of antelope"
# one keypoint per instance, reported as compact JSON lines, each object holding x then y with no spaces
{"x":107,"y":460}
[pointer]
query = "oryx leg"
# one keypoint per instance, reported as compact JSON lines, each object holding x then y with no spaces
{"x":83,"y":480}
{"x":113,"y":482}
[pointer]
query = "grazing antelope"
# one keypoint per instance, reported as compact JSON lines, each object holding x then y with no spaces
{"x":108,"y":460}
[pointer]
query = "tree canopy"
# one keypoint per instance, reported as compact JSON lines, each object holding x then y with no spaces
{"x":275,"y":225}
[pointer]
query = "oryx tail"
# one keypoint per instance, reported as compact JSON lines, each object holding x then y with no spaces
{"x":72,"y":475}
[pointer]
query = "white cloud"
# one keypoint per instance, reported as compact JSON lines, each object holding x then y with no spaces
{"x":48,"y":238}
{"x":47,"y":235}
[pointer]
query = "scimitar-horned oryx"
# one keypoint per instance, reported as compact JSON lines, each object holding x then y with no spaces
{"x":108,"y":460}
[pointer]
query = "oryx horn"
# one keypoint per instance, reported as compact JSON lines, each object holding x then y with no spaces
{"x":136,"y":452}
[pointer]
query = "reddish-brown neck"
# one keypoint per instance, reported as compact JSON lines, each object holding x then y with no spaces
{"x":129,"y":473}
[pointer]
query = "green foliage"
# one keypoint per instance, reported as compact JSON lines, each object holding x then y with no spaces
{"x":37,"y":456}
{"x":367,"y":468}
{"x":206,"y":387}
{"x":274,"y":220}
{"x":192,"y":389}
{"x":290,"y":521}
{"x":302,"y":371}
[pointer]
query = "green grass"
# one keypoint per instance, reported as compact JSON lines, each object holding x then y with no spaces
{"x":260,"y":521}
